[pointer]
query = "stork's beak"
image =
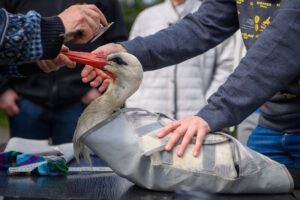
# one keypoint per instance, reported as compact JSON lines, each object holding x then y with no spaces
{"x":86,"y":58}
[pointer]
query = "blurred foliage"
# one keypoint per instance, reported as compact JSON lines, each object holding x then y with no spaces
{"x":131,"y":8}
{"x":3,"y":120}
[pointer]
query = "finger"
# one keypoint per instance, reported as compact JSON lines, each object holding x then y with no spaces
{"x":87,"y":70}
{"x":57,"y":62}
{"x":175,"y":137}
{"x":64,"y":48}
{"x":15,"y":109}
{"x":9,"y":112}
{"x":167,"y":129}
{"x":104,"y":85}
{"x":96,"y":82}
{"x":101,"y":73}
{"x":91,"y":96}
{"x":102,"y":17}
{"x":68,"y":62}
{"x":89,"y":77}
{"x":43,"y":66}
{"x":17,"y":97}
{"x":84,"y":100}
{"x":188,"y":136}
{"x":52,"y":66}
{"x":93,"y":15}
{"x":106,"y":50}
{"x":93,"y":28}
{"x":87,"y":34}
{"x":199,"y":141}
{"x":101,"y":76}
{"x":92,"y":20}
{"x":101,"y":51}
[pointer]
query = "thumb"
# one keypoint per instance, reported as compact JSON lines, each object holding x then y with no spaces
{"x":67,"y":61}
{"x":64,"y":48}
{"x":15,"y":109}
{"x":100,"y":51}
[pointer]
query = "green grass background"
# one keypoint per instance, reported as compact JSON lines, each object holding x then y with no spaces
{"x":3,"y":120}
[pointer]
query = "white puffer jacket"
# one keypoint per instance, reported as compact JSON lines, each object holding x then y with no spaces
{"x":180,"y":90}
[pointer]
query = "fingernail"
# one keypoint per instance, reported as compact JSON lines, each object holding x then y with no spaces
{"x":179,"y":153}
{"x":195,"y":154}
{"x":168,"y":147}
{"x":159,"y":134}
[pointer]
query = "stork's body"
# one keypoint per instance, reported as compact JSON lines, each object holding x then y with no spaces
{"x":128,"y":73}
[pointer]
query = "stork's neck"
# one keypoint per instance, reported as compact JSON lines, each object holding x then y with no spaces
{"x":102,"y":108}
{"x":108,"y":103}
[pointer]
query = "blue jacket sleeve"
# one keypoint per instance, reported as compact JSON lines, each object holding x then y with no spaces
{"x":270,"y":64}
{"x":215,"y":21}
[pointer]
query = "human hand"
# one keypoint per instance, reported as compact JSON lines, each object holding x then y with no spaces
{"x":187,"y":128}
{"x":90,"y":96}
{"x":8,"y":102}
{"x":108,"y":49}
{"x":96,"y":77}
{"x":55,"y":64}
{"x":84,"y":18}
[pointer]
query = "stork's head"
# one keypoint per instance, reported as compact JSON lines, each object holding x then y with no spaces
{"x":127,"y":74}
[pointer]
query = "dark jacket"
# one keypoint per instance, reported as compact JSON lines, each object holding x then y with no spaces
{"x":64,"y":86}
{"x":272,"y":63}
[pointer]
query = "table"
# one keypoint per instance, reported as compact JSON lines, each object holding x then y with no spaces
{"x":92,"y":185}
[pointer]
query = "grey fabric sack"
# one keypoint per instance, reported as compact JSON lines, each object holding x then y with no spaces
{"x":127,"y":142}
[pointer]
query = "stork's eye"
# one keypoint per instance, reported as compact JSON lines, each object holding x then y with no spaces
{"x":118,"y":60}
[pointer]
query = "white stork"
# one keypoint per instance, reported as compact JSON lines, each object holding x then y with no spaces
{"x":127,"y":72}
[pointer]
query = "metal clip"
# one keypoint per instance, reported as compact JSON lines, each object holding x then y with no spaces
{"x":103,"y":29}
{"x":78,"y":33}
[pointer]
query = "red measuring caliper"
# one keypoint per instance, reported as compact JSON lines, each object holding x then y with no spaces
{"x":91,"y":59}
{"x":86,"y":58}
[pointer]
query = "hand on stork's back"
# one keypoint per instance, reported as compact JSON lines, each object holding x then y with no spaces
{"x":186,"y":128}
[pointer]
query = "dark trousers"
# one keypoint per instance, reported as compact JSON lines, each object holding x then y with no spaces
{"x":38,"y":122}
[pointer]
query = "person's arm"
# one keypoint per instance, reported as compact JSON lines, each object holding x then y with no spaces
{"x":28,"y":38}
{"x":269,"y":65}
{"x":20,"y":38}
{"x":215,"y":21}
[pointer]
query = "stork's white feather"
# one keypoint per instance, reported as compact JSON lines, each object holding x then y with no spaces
{"x":128,"y":74}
